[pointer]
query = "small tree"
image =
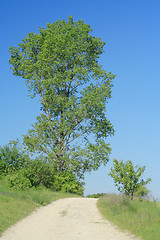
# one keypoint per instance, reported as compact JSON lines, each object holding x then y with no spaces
{"x":128,"y":178}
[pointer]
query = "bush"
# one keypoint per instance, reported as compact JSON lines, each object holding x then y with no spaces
{"x":40,"y":172}
{"x":67,"y":182}
{"x":12,"y":158}
{"x":20,"y":172}
{"x":17,"y":181}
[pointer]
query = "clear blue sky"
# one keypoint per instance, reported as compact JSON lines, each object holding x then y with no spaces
{"x":132,"y":35}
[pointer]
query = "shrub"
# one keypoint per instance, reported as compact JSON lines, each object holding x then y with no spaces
{"x":21,"y":172}
{"x":40,"y":172}
{"x":17,"y":181}
{"x":12,"y":158}
{"x":67,"y":182}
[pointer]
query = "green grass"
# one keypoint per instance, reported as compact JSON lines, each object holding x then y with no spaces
{"x":15,"y":205}
{"x":142,"y":218}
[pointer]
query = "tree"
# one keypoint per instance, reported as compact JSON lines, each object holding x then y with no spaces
{"x":60,"y":65}
{"x":128,"y":178}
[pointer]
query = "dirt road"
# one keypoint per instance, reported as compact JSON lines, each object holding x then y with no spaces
{"x":66,"y":219}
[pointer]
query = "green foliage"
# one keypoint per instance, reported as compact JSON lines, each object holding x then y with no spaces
{"x":22,"y":173}
{"x":40,"y":172}
{"x":17,"y":181}
{"x":12,"y":158}
{"x":139,"y":217}
{"x":128,"y":178}
{"x":60,"y":65}
{"x":96,"y":195}
{"x":142,"y":192}
{"x":33,"y":176}
{"x":67,"y":182}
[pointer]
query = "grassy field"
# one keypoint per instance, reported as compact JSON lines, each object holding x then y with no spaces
{"x":142,"y":218}
{"x":15,"y":205}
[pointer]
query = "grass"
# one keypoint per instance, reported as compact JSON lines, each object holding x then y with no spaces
{"x":142,"y":218}
{"x":15,"y":205}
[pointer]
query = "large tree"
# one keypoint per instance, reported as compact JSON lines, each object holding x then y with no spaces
{"x":60,"y":65}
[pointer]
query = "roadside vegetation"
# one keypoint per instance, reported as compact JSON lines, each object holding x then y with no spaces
{"x":96,"y":195}
{"x":132,"y":210}
{"x":21,"y":172}
{"x":140,"y":217}
{"x":17,"y":204}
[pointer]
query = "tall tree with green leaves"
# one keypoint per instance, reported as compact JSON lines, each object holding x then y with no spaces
{"x":60,"y":65}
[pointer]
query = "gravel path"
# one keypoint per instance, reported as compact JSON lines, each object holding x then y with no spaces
{"x":66,"y":219}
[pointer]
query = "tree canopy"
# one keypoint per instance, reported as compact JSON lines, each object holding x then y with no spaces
{"x":60,"y":65}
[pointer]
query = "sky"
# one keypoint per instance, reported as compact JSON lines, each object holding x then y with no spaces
{"x":132,"y":52}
